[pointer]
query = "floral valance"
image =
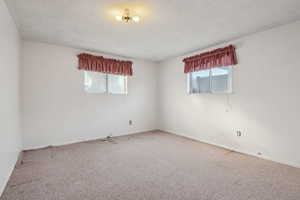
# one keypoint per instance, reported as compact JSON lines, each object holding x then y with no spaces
{"x":216,"y":58}
{"x":104,"y":65}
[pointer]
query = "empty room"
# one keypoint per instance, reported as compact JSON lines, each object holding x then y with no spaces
{"x":149,"y":100}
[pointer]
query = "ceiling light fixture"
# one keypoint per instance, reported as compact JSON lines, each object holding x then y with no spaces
{"x":126,"y":17}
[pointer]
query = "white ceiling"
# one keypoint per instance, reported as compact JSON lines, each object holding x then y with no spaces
{"x":167,"y":28}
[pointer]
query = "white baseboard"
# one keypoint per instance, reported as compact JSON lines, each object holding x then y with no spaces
{"x":14,"y":163}
{"x":289,"y":163}
{"x":84,"y":140}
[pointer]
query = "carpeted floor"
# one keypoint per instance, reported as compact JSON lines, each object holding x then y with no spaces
{"x":149,"y":166}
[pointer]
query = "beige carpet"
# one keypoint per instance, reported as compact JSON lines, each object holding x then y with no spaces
{"x":149,"y":166}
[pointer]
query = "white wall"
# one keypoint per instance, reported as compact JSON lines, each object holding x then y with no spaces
{"x":56,"y":109}
{"x":10,"y":139}
{"x":265,"y":104}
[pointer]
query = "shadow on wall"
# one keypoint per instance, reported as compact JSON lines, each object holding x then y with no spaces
{"x":216,"y":121}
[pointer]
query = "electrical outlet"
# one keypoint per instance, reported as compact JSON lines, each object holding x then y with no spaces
{"x":130,"y":122}
{"x":239,"y":133}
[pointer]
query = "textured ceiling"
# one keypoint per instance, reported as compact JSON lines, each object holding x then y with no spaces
{"x":167,"y":28}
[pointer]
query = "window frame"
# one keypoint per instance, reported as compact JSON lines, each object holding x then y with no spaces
{"x":125,"y":85}
{"x":211,"y":91}
{"x":107,"y":91}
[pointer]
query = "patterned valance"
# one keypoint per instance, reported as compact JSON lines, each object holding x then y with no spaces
{"x":104,"y":65}
{"x":216,"y":58}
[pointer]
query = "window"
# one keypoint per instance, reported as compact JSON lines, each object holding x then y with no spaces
{"x":96,"y":82}
{"x":214,"y":80}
